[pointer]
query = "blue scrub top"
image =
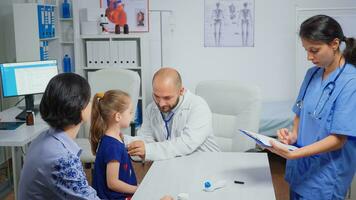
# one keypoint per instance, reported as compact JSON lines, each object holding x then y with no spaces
{"x":326,"y":175}
{"x":112,"y":149}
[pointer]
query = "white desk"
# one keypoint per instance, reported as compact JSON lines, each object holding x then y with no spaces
{"x":18,"y":138}
{"x":187,"y":175}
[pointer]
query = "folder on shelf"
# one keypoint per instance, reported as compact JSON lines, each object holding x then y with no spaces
{"x":114,"y":54}
{"x":264,"y":141}
{"x":104,"y":53}
{"x":53,"y":22}
{"x":122,"y":56}
{"x":46,"y":22}
{"x":131,"y":50}
{"x":41,"y":20}
{"x":49,"y":25}
{"x":89,"y":50}
{"x":44,"y":50}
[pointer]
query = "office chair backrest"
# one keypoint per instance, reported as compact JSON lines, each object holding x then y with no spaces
{"x":114,"y":79}
{"x":234,"y":106}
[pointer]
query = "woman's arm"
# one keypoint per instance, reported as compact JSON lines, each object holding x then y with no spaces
{"x":113,"y":182}
{"x":330,"y":143}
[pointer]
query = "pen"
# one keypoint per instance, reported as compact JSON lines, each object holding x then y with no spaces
{"x":239,"y":182}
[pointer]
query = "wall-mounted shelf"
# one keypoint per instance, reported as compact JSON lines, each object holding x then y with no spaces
{"x":46,"y":39}
{"x":97,"y":68}
{"x":66,"y":19}
{"x":67,"y":42}
{"x":110,"y":36}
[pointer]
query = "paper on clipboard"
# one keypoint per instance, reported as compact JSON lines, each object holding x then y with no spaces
{"x":264,"y":141}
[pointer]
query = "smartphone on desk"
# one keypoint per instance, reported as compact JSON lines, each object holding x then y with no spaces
{"x":10,"y":125}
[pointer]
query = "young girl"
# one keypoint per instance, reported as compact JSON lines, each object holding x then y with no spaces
{"x":52,"y":168}
{"x":114,"y":177}
{"x":325,"y":122}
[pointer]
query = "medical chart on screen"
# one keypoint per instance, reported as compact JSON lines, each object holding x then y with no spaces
{"x":27,"y":85}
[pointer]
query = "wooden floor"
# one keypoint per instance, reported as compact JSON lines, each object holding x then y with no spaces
{"x":277,"y":165}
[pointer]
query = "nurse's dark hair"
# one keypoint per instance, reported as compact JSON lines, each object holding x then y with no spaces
{"x":65,"y":97}
{"x":323,"y":28}
{"x":105,"y":105}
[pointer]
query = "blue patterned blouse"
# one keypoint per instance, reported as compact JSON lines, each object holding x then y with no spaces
{"x":52,"y":169}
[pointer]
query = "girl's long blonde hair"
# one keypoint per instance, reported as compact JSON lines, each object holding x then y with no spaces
{"x":105,"y":105}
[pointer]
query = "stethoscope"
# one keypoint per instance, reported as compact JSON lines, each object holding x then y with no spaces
{"x":330,"y":85}
{"x":166,"y":122}
{"x":167,"y":119}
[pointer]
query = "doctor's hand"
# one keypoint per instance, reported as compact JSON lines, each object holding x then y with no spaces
{"x":282,"y":151}
{"x":137,"y":148}
{"x":285,"y":136}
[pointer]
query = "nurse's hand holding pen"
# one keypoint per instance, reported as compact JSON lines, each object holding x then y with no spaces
{"x":286,"y":137}
{"x":137,"y":148}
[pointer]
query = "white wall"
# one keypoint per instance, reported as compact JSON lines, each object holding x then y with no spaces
{"x":7,"y":37}
{"x":270,"y":64}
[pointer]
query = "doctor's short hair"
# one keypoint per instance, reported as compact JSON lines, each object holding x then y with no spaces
{"x":65,"y":97}
{"x":323,"y":28}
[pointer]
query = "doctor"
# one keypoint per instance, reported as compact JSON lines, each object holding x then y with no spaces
{"x":176,"y":123}
{"x":325,"y":122}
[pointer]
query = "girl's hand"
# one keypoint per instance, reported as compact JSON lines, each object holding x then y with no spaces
{"x":285,"y":136}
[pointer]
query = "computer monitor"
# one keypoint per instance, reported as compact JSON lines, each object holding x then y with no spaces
{"x":26,"y":79}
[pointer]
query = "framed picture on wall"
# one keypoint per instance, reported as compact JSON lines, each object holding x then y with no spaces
{"x":229,"y":23}
{"x":134,"y":13}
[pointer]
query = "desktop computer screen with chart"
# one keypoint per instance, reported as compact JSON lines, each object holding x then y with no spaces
{"x":26,"y":79}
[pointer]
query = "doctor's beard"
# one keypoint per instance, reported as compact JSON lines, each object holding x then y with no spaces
{"x":167,"y":108}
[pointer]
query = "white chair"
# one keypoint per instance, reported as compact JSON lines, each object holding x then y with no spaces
{"x":234,"y":106}
{"x":101,"y":81}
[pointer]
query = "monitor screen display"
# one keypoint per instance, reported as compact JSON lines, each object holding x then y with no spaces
{"x":26,"y":78}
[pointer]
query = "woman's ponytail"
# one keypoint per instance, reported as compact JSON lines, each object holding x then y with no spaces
{"x":350,"y":50}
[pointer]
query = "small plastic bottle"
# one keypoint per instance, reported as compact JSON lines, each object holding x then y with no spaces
{"x":30,"y":118}
{"x":67,"y":67}
{"x":65,"y":9}
{"x":126,"y":29}
{"x":117,"y":29}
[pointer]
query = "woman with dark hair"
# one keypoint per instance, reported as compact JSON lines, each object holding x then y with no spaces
{"x":325,"y":122}
{"x":52,"y":168}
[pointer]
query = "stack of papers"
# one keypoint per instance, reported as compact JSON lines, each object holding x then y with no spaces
{"x":264,"y":141}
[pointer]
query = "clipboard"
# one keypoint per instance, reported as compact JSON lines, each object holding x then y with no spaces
{"x":264,"y":141}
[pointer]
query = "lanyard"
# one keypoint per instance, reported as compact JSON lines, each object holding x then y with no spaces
{"x":166,"y":122}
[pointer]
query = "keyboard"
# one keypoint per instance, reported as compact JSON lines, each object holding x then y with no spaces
{"x":10,"y":125}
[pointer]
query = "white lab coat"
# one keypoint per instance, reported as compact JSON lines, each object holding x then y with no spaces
{"x":192,"y":130}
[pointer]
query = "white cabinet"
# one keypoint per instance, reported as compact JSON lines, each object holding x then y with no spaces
{"x":35,"y":27}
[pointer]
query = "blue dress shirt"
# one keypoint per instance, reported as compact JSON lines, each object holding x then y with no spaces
{"x":52,"y":169}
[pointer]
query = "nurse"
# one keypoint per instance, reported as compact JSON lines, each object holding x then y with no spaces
{"x":325,"y":116}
